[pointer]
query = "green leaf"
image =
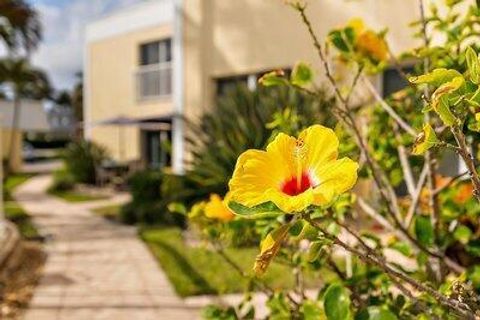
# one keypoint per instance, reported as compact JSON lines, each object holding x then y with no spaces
{"x":337,"y":39}
{"x":402,"y":247}
{"x":269,"y":248}
{"x":177,"y":207}
{"x":316,"y":249}
{"x":426,"y":140}
{"x":424,"y":230}
{"x":337,"y":303}
{"x":267,"y":209}
{"x":311,"y":310}
{"x":443,"y":111}
{"x":462,"y":234}
{"x":297,"y":228}
{"x":273,"y":78}
{"x":473,"y":248}
{"x":378,"y":313}
{"x":302,"y":75}
{"x":437,"y":77}
{"x":473,"y":65}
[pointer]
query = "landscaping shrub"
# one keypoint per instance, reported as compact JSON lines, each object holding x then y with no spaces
{"x":63,"y":180}
{"x":82,"y":159}
{"x":149,"y":205}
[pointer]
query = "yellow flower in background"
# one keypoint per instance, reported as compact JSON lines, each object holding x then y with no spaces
{"x":215,"y":208}
{"x":368,"y":42}
{"x":293,"y":173}
{"x":197,"y":209}
{"x":357,"y":25}
{"x":371,"y":44}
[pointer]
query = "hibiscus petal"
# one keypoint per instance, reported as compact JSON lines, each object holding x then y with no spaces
{"x":253,"y":176}
{"x":335,"y":177}
{"x":321,"y":145}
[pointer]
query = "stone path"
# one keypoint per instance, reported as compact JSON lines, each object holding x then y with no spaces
{"x":95,"y":269}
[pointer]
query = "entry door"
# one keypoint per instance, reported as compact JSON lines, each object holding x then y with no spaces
{"x":157,"y":152}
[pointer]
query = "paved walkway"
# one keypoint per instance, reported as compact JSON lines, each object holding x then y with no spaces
{"x":95,"y":269}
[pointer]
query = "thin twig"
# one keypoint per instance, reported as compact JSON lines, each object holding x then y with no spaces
{"x":372,"y":258}
{"x":467,"y":157}
{"x":385,"y":106}
{"x":416,"y":196}
{"x":405,"y":164}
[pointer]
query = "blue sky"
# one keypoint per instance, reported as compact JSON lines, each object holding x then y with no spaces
{"x":61,"y":53}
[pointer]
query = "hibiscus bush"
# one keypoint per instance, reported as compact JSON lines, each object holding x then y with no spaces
{"x":368,"y":203}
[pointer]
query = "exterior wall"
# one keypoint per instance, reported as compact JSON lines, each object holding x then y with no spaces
{"x":225,"y":38}
{"x":111,"y":86}
{"x":220,"y":38}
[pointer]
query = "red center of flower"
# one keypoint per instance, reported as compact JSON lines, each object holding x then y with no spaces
{"x":294,"y":186}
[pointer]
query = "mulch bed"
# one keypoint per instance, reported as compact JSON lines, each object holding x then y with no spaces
{"x":16,"y":289}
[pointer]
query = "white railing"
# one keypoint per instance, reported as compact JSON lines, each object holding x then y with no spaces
{"x":154,"y":81}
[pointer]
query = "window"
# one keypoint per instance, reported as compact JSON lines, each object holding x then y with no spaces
{"x":393,"y":80}
{"x":155,"y":52}
{"x":224,"y":85}
{"x":154,"y":78}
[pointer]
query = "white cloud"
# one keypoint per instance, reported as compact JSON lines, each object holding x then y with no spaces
{"x":61,"y":52}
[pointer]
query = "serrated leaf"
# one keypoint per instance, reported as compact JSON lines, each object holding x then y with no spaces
{"x":273,"y":78}
{"x":424,"y":230}
{"x":437,"y":77}
{"x":302,"y":75}
{"x":426,"y":140}
{"x":336,"y":303}
{"x":473,"y":65}
{"x":269,"y":248}
{"x":462,"y":234}
{"x":267,"y":209}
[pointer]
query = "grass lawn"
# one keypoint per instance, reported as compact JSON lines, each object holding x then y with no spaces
{"x":75,"y":196}
{"x":12,"y":182}
{"x":13,"y":211}
{"x":197,"y":270}
{"x":108,"y":212}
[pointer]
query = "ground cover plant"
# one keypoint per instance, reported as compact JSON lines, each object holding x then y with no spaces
{"x":13,"y":211}
{"x":418,"y":258}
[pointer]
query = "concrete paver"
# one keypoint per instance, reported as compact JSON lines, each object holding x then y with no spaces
{"x":95,"y":269}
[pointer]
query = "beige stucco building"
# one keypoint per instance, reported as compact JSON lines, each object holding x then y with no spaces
{"x":163,"y":60}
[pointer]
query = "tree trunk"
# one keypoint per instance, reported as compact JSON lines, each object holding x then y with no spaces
{"x":14,"y":129}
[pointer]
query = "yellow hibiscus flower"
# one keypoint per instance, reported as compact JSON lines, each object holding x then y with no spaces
{"x":293,"y":173}
{"x":217,"y":209}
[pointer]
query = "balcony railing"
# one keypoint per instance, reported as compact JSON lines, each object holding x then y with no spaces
{"x":154,"y":81}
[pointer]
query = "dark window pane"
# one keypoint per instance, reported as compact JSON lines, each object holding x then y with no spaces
{"x":225,"y":85}
{"x":155,"y":52}
{"x":393,"y":81}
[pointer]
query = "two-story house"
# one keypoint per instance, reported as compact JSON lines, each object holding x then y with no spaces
{"x":163,"y":60}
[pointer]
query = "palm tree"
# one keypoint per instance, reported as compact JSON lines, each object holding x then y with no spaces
{"x":25,"y":82}
{"x":77,"y":98}
{"x":20,"y":25}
